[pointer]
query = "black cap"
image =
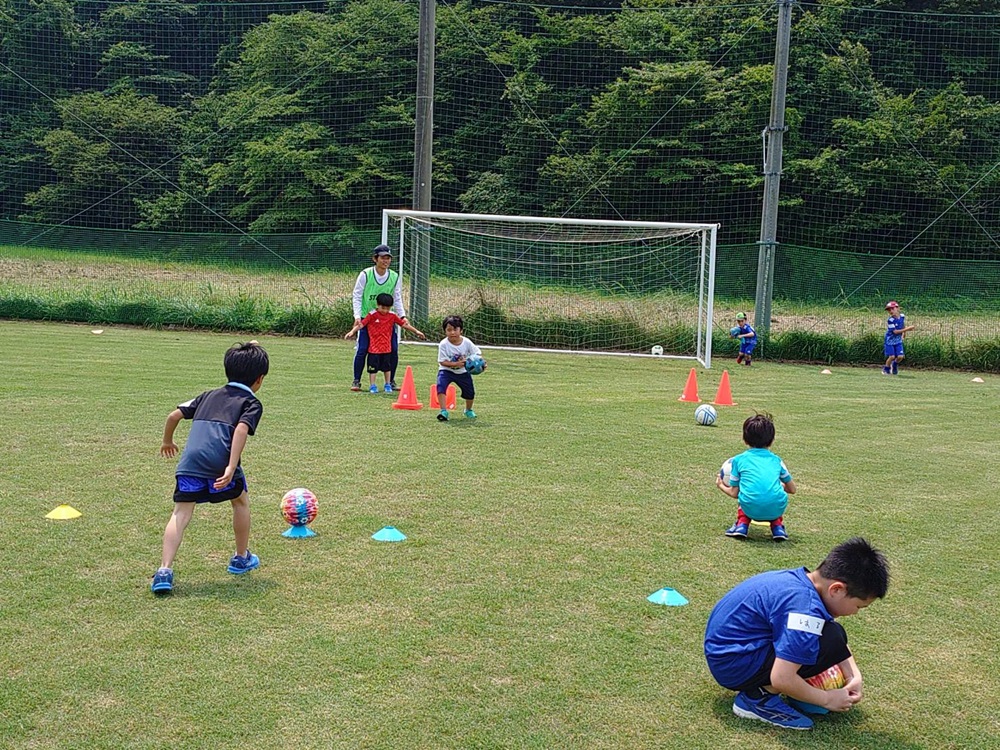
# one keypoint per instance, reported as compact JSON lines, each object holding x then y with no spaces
{"x":382,"y":250}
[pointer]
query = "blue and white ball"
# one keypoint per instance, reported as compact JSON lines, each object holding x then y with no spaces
{"x":726,"y":472}
{"x":705,"y":415}
{"x":474,"y":365}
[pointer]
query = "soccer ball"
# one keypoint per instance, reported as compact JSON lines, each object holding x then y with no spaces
{"x":829,"y":679}
{"x":705,"y":415}
{"x":299,"y":507}
{"x":726,"y":472}
{"x":734,"y":332}
{"x":475,"y":365}
{"x":657,"y":351}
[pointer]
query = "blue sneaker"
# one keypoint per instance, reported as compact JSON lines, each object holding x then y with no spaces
{"x":886,"y":371}
{"x":373,"y":388}
{"x":240,"y":565}
{"x":388,"y":387}
{"x":778,"y":533}
{"x":163,"y":581}
{"x":738,"y":530}
{"x":469,"y":414}
{"x":443,"y":416}
{"x":894,"y":369}
{"x":770,"y":709}
{"x":807,"y":708}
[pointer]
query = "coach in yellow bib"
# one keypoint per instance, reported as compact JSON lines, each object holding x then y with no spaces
{"x":372,"y":282}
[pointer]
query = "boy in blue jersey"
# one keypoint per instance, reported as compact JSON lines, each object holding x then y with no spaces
{"x":759,"y":481}
{"x":772,"y":632}
{"x":895,"y":328}
{"x":747,"y":338}
{"x":209,"y":469}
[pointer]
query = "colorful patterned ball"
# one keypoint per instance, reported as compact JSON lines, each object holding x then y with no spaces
{"x":829,"y":679}
{"x":299,"y":506}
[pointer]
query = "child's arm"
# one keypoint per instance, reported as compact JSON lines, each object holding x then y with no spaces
{"x":354,"y":329}
{"x":168,"y":447}
{"x":733,"y":492}
{"x":460,"y":362}
{"x":785,"y":679}
{"x":239,"y":441}
{"x":853,"y":675}
{"x":790,"y":487}
{"x":407,"y":327}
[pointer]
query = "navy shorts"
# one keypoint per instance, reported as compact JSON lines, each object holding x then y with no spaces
{"x":894,"y":350}
{"x":462,"y":379}
{"x":379,"y":362}
{"x":746,"y":348}
{"x":200,"y":490}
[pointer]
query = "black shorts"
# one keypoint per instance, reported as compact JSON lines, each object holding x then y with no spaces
{"x":200,"y":490}
{"x":379,"y":362}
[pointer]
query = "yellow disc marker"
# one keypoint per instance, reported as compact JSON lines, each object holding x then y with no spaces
{"x":64,"y":513}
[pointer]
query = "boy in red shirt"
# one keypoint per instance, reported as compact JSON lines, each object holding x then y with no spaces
{"x":380,"y":323}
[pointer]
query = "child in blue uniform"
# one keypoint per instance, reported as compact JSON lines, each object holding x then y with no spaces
{"x":747,"y":337}
{"x":209,"y":470}
{"x":759,"y":481}
{"x":895,"y":328}
{"x":772,"y":632}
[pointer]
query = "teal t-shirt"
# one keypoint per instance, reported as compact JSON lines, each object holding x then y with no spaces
{"x":761,"y":476}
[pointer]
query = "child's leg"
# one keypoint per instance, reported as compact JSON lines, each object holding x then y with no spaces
{"x":387,"y":376}
{"x":739,"y":358}
{"x":174,"y":533}
{"x":241,"y":523}
{"x":742,"y":517}
{"x":468,"y":404}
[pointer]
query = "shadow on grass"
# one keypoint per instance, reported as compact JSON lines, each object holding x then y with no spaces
{"x":830,"y":729}
{"x":232,"y":589}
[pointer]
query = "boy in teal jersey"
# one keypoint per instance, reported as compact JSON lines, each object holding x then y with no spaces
{"x":760,"y":481}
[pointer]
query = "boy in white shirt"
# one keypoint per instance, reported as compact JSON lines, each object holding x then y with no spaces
{"x":453,"y":351}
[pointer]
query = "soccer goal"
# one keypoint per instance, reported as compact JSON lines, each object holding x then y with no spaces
{"x":570,"y":285}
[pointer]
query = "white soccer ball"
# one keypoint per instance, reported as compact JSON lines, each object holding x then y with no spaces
{"x":657,"y":351}
{"x":726,"y":472}
{"x":705,"y":415}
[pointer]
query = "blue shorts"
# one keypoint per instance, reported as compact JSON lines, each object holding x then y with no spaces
{"x":462,"y":379}
{"x":200,"y":490}
{"x":746,"y":348}
{"x":894,"y":350}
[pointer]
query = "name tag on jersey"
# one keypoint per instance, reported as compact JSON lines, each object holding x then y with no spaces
{"x":806,"y":623}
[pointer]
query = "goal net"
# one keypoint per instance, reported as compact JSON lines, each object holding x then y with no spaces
{"x":578,"y":285}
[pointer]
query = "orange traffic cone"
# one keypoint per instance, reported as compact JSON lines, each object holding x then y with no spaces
{"x":724,"y":396}
{"x":691,"y":389}
{"x":408,"y":395}
{"x":449,"y":397}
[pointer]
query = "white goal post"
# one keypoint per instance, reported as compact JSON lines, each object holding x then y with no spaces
{"x":569,"y":285}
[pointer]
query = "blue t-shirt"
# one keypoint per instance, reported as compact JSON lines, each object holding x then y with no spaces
{"x":216,"y":414}
{"x":761,"y":477}
{"x":747,"y":328}
{"x":893,"y":328}
{"x":778,"y":610}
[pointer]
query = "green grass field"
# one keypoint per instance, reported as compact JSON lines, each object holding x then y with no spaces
{"x":515,"y":614}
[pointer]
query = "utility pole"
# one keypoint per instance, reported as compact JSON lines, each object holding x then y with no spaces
{"x":423,"y":147}
{"x":773,"y":140}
